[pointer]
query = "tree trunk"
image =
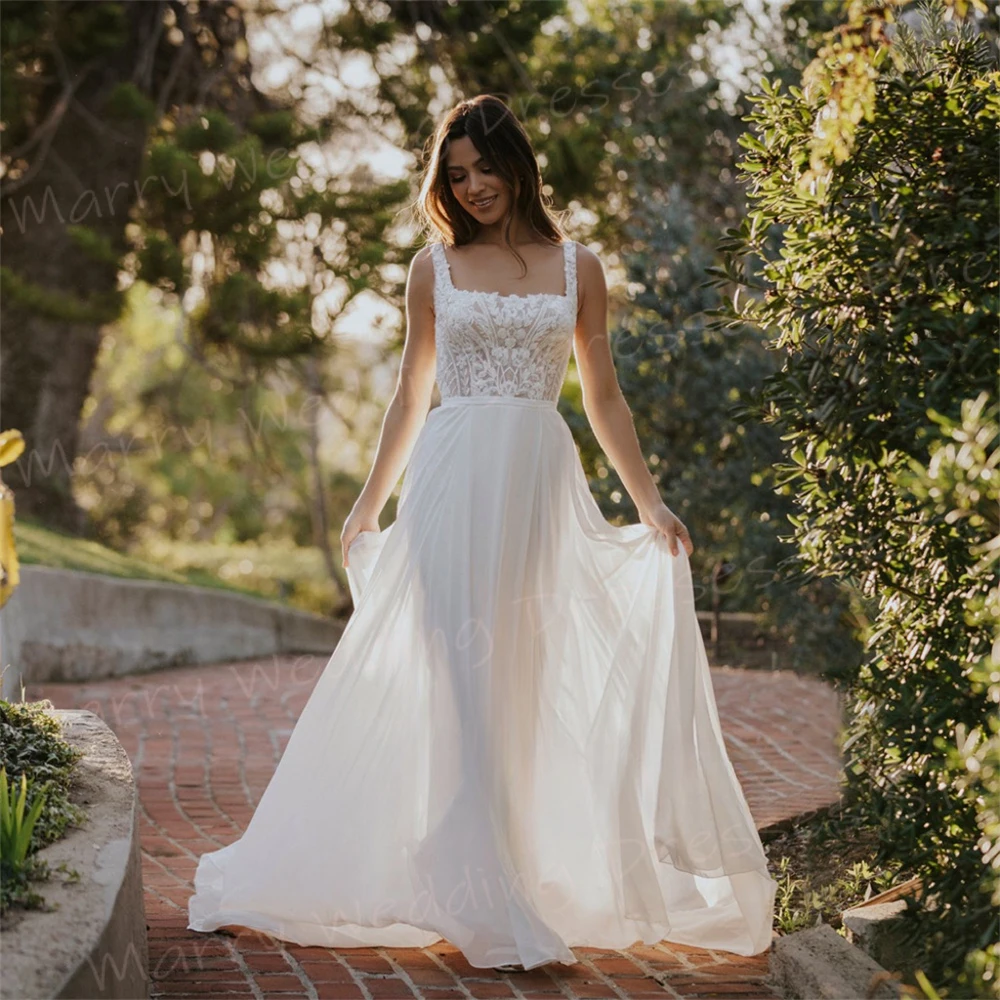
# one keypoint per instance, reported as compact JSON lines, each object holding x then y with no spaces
{"x":87,"y":176}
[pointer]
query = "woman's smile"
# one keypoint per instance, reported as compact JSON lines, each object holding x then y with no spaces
{"x":483,"y":203}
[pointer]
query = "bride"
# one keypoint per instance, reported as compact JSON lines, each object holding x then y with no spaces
{"x":515,"y":745}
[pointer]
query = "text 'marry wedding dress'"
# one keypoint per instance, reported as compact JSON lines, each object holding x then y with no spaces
{"x":515,"y":744}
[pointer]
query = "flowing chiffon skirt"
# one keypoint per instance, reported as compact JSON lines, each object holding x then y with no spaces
{"x":515,"y":745}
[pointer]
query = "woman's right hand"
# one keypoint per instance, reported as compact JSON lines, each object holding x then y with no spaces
{"x":357,"y":521}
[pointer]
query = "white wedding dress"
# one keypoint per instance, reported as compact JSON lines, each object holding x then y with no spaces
{"x":515,"y":745}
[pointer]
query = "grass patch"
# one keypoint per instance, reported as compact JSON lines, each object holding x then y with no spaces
{"x":278,"y":572}
{"x":276,"y":569}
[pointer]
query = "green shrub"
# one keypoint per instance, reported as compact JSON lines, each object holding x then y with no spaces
{"x":877,"y":281}
{"x":31,"y":747}
{"x":956,"y":786}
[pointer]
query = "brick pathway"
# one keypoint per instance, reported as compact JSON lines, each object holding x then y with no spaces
{"x":204,"y":742}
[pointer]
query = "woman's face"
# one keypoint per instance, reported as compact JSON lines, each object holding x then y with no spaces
{"x":482,"y":193}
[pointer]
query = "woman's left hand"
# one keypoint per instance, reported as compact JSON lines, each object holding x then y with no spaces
{"x":670,"y":526}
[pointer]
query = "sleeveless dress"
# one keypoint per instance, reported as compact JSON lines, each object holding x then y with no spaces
{"x":515,"y":744}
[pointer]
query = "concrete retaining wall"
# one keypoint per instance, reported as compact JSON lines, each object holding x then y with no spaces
{"x":69,"y":625}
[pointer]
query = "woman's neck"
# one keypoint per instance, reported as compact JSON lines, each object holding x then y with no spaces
{"x":520,"y":235}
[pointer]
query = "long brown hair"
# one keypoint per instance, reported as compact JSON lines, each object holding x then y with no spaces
{"x":503,"y":142}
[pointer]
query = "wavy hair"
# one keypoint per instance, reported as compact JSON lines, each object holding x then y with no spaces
{"x":503,"y":142}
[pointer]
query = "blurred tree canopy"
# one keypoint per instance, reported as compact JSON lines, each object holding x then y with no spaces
{"x":139,"y":149}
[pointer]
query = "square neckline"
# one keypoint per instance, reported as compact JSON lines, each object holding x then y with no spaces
{"x":567,"y":245}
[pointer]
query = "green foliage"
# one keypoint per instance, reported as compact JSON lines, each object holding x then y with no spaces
{"x":191,"y":458}
{"x":211,"y":483}
{"x":280,"y":128}
{"x":202,"y":193}
{"x":127,"y":101}
{"x":220,"y":175}
{"x":91,"y":30}
{"x":805,"y":24}
{"x":241,"y":307}
{"x":41,"y":546}
{"x":824,"y":864}
{"x":948,"y":763}
{"x":102,"y":307}
{"x":162,"y":263}
{"x":243,"y":185}
{"x":94,"y":244}
{"x":211,"y":131}
{"x":34,"y":755}
{"x":878,"y":285}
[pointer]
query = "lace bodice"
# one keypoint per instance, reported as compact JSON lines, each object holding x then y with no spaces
{"x":490,"y":344}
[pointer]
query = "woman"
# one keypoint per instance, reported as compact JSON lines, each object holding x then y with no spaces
{"x":515,"y":745}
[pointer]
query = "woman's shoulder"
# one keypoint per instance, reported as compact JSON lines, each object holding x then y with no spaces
{"x":421,"y":277}
{"x":423,"y":259}
{"x":587,"y":261}
{"x":427,"y":250}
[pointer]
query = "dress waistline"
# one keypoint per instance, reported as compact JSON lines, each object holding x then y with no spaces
{"x":498,"y":401}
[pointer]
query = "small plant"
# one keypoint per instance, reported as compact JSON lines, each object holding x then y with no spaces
{"x":788,"y":917}
{"x":825,"y":866}
{"x":16,"y":827}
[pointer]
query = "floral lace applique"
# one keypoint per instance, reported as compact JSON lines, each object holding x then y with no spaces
{"x":490,"y":344}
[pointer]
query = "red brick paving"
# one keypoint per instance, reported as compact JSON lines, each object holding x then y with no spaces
{"x":204,"y":742}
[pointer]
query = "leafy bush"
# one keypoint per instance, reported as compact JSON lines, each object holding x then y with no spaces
{"x":957,"y":785}
{"x":878,"y":281}
{"x":31,"y":746}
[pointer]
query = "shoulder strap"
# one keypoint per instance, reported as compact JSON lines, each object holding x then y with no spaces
{"x":436,"y":258}
{"x":570,"y":255}
{"x":442,"y":270}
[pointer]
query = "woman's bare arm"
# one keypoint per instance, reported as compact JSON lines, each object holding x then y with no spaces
{"x":606,"y":408}
{"x":408,"y":408}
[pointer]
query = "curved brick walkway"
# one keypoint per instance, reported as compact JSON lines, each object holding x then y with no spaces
{"x":204,"y":742}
